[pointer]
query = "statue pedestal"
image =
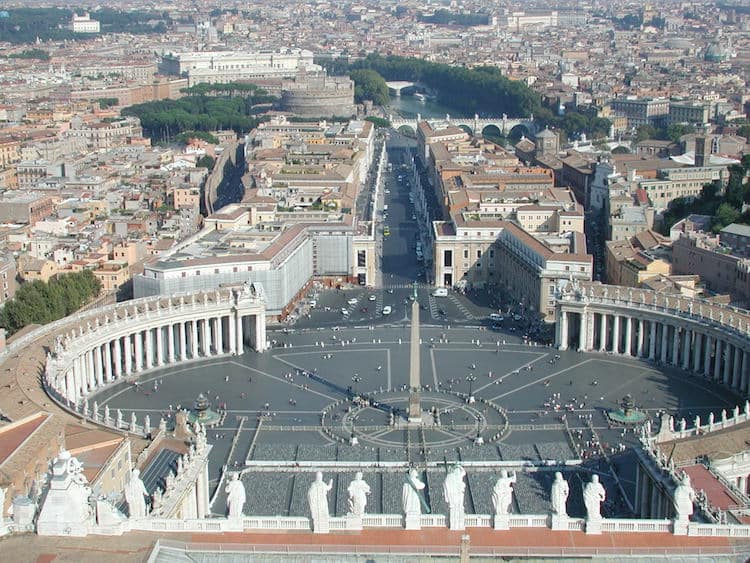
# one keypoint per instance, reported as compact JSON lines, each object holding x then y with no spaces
{"x":594,"y":527}
{"x":680,"y":527}
{"x":413,"y":522}
{"x":559,"y":522}
{"x":456,"y":522}
{"x":502,"y":522}
{"x":354,"y":523}
{"x":321,"y":526}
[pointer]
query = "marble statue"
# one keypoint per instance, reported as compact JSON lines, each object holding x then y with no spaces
{"x":317,"y":498}
{"x":135,"y":495}
{"x":454,"y":488}
{"x":593,"y":497}
{"x":683,"y":498}
{"x":358,"y":491}
{"x":502,"y":493}
{"x":411,"y":498}
{"x":157,"y":499}
{"x":236,"y":496}
{"x":559,"y":495}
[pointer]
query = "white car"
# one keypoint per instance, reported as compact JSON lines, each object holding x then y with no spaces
{"x":313,"y":303}
{"x":387,"y":310}
{"x":352,"y":301}
{"x":387,"y":191}
{"x":496,"y":317}
{"x":517,"y":317}
{"x":345,"y":312}
{"x":372,"y":298}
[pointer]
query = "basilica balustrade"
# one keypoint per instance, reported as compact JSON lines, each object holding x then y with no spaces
{"x":696,"y":335}
{"x":103,"y":347}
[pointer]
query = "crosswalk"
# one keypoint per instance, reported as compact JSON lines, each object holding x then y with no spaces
{"x":461,"y":307}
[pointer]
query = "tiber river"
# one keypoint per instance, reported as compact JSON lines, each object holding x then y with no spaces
{"x":409,"y":107}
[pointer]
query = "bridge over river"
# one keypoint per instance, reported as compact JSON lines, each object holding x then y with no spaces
{"x":504,"y":124}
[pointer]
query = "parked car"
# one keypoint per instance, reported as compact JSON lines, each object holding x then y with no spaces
{"x":440,"y":292}
{"x":352,"y":301}
{"x":387,"y":310}
{"x":497,"y":317}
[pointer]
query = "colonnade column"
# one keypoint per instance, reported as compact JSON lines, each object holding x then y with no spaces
{"x":652,"y":342}
{"x":219,"y":333}
{"x":194,"y":339}
{"x":98,"y":366}
{"x":603,"y":333}
{"x":128,"y":355}
{"x":70,"y":392}
{"x":206,"y":337}
{"x":641,"y":336}
{"x":737,"y":368}
{"x":231,"y":323}
{"x":149,"y":348}
{"x":260,"y":332}
{"x":629,"y":336}
{"x":616,"y":335}
{"x":118,"y":358}
{"x":170,"y":343}
{"x":717,"y":360}
{"x":107,"y":362}
{"x":91,"y":370}
{"x":686,"y":344}
{"x":745,"y":371}
{"x":582,"y":329}
{"x":707,"y":357}
{"x":727,"y":363}
{"x":138,"y":338}
{"x":183,"y":341}
{"x":563,"y":344}
{"x":664,"y":335}
{"x":676,"y":346}
{"x":697,"y":352}
{"x":240,"y":335}
{"x":159,"y":345}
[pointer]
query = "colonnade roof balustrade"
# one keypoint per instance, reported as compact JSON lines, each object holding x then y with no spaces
{"x":692,"y":308}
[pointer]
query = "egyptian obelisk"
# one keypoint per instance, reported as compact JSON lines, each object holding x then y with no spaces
{"x":415,"y":407}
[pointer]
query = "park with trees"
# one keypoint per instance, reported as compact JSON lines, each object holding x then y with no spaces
{"x":205,"y":108}
{"x":38,"y":302}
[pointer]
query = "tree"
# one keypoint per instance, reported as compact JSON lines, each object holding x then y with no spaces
{"x":645,"y":132}
{"x":725,"y":215}
{"x":378,"y":121}
{"x":369,"y":85}
{"x":40,"y":303}
{"x":206,"y":161}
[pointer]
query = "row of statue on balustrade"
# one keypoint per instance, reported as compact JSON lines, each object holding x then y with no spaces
{"x":454,"y":488}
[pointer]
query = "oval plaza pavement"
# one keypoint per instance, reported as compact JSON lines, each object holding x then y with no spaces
{"x":274,"y":413}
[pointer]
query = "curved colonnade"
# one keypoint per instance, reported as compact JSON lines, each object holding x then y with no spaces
{"x":695,"y":335}
{"x":122,"y":340}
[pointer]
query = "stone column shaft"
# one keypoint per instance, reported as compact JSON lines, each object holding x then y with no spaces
{"x":641,"y":336}
{"x":138,"y":340}
{"x":652,"y":341}
{"x":616,"y":335}
{"x":149,"y":348}
{"x":159,"y":345}
{"x":664,"y":342}
{"x":707,"y":356}
{"x":603,"y":333}
{"x":98,"y":369}
{"x":629,"y":336}
{"x":717,"y":359}
{"x":118,"y":358}
{"x":107,"y":362}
